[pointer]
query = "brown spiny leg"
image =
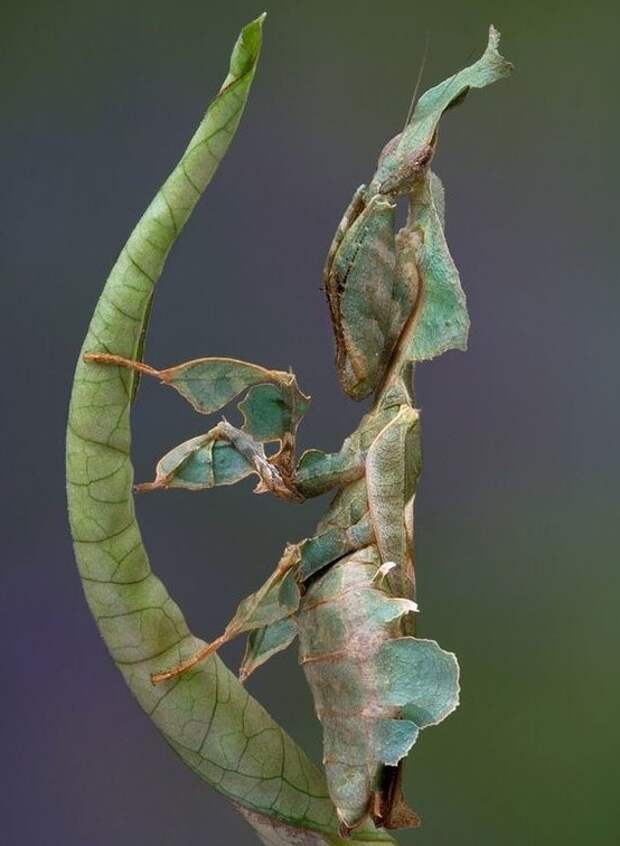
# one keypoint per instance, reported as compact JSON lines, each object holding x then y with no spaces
{"x":130,"y":364}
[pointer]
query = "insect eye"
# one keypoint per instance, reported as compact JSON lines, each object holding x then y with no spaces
{"x":422,"y":157}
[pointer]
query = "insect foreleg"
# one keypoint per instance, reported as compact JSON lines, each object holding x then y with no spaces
{"x":130,"y":364}
{"x":225,"y":455}
{"x":209,"y":384}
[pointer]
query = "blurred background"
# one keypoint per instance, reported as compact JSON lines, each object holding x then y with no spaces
{"x":517,"y":516}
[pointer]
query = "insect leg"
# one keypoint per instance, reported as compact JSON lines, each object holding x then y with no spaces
{"x":130,"y":364}
{"x":276,"y":600}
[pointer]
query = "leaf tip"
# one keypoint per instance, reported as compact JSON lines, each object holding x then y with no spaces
{"x":252,"y":33}
{"x":494,"y":35}
{"x":493,"y":48}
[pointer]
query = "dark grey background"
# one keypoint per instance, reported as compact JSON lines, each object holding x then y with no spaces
{"x":517,"y":515}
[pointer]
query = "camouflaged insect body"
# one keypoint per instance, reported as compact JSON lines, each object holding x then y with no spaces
{"x":348,"y":591}
{"x":374,"y":686}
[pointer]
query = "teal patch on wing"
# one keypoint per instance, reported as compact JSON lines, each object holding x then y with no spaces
{"x":442,"y":322}
{"x":209,"y":384}
{"x":199,"y":464}
{"x":273,"y":406}
{"x":271,"y":410}
{"x":393,"y":739}
{"x":265,"y":642}
{"x":206,"y":462}
{"x":419,"y":677}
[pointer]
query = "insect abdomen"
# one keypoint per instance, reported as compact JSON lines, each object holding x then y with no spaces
{"x":370,"y":683}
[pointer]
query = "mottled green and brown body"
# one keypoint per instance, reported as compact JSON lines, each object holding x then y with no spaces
{"x":370,"y":681}
{"x":348,"y":591}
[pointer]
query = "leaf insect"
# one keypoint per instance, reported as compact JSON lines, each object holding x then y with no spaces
{"x":347,"y":593}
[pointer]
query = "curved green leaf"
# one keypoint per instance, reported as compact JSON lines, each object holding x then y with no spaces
{"x":216,"y":727}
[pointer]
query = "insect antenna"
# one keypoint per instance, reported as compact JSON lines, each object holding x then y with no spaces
{"x":418,"y":82}
{"x":449,"y":82}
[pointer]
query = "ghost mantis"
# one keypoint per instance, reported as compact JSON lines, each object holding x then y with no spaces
{"x":348,"y":591}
